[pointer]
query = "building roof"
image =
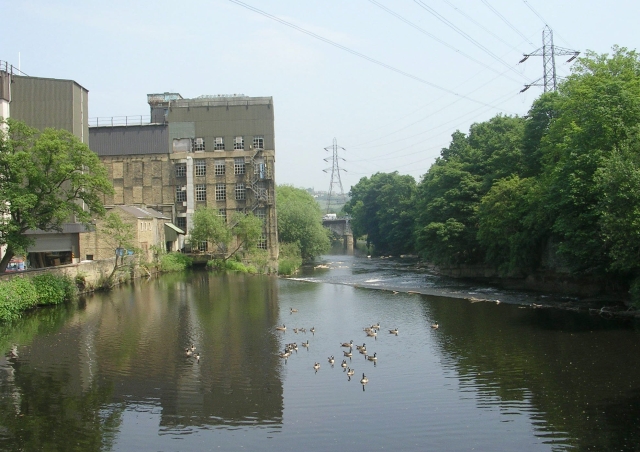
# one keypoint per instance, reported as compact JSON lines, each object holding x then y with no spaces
{"x":143,"y":212}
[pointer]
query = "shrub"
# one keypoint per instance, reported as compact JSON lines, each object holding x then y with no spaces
{"x":290,"y":258}
{"x":53,"y":289}
{"x":16,"y":295}
{"x":174,"y":262}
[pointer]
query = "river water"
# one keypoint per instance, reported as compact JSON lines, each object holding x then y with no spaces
{"x":112,"y":372}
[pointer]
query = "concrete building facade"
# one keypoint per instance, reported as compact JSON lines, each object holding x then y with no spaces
{"x":214,"y":151}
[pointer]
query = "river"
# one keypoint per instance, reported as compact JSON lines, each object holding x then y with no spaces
{"x":114,"y":372}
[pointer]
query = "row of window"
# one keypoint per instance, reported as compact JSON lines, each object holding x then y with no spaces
{"x":198,"y":144}
{"x":220,"y":192}
{"x":203,"y":247}
{"x":219,"y":168}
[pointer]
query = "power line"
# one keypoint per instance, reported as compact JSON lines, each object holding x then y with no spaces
{"x":356,"y":53}
{"x":336,"y":182}
{"x":432,"y":36}
{"x":450,"y":24}
{"x":540,"y":17}
{"x":504,"y":19}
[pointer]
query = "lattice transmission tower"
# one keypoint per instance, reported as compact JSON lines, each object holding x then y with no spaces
{"x":548,"y":52}
{"x":336,"y":192}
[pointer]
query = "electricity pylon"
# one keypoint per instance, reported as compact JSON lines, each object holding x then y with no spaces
{"x":548,"y":53}
{"x":336,"y":182}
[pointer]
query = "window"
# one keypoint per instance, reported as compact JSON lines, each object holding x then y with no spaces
{"x":181,"y":222}
{"x":238,"y":143}
{"x":262,"y":243}
{"x":238,"y":165}
{"x":258,"y":142}
{"x":201,"y":192}
{"x":181,"y":193}
{"x":221,"y":192}
{"x":181,"y":170}
{"x":202,"y":246}
{"x":223,"y":213}
{"x":89,"y":257}
{"x":219,"y":144}
{"x":220,"y":167}
{"x":201,"y":167}
{"x":261,"y":213}
{"x":198,"y":145}
{"x":240,"y":192}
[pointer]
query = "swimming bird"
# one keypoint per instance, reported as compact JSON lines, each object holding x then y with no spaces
{"x":193,"y":347}
{"x":376,"y":326}
{"x":347,"y":344}
{"x":306,"y":344}
{"x":372,"y":333}
{"x":364,"y":380}
{"x":348,"y":353}
{"x":313,"y":330}
{"x":316,"y":366}
{"x":344,"y":363}
{"x":372,"y":357}
{"x":295,"y":330}
{"x":394,"y":331}
{"x":361,"y":347}
{"x":350,"y":371}
{"x":302,"y":330}
{"x":188,"y":351}
{"x":285,"y":354}
{"x":198,"y":357}
{"x":435,"y":326}
{"x":331,"y":360}
{"x":281,"y":328}
{"x":293,"y":310}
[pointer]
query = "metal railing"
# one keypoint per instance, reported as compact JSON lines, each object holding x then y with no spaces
{"x":134,"y":120}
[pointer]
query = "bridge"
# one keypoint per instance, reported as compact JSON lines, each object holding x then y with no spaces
{"x":340,"y":227}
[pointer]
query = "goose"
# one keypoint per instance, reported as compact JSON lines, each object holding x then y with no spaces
{"x":344,"y":363}
{"x":394,"y":331}
{"x":188,"y":351}
{"x":372,"y":333}
{"x":350,"y":372}
{"x":302,"y":330}
{"x":372,"y":357}
{"x":306,"y":344}
{"x":198,"y":357}
{"x":313,"y":330}
{"x":193,"y":347}
{"x":435,"y":326}
{"x":364,"y":380}
{"x":348,"y":353}
{"x":331,"y":360}
{"x":361,"y":347}
{"x":285,"y":354}
{"x":293,"y":310}
{"x":281,"y":328}
{"x":347,"y":344}
{"x":363,"y":351}
{"x":295,"y":330}
{"x":376,"y":326}
{"x":316,"y":366}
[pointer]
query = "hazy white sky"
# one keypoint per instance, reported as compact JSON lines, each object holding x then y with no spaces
{"x":390,"y":80}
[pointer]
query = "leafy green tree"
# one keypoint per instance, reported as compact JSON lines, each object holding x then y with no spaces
{"x":599,"y":114}
{"x":300,"y":221}
{"x":48,"y":178}
{"x":118,"y":234}
{"x":209,"y":226}
{"x":382,"y":208}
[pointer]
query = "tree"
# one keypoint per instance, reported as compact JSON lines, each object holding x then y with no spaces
{"x":118,"y":235}
{"x":211,"y":227}
{"x":382,"y":207}
{"x":48,"y":178}
{"x":300,"y":221}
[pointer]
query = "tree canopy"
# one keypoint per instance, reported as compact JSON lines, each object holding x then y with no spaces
{"x":300,"y":221}
{"x":48,"y":178}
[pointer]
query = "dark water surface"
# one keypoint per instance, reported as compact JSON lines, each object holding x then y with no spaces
{"x":113,"y":374}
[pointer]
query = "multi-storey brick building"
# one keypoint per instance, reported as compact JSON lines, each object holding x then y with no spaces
{"x":215,"y":151}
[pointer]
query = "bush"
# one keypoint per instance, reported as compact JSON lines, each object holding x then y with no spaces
{"x":53,"y":289}
{"x":16,"y":295}
{"x":175,"y":262}
{"x":290,"y":258}
{"x":634,"y":291}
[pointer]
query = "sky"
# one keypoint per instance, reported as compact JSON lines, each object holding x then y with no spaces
{"x":389,"y":81}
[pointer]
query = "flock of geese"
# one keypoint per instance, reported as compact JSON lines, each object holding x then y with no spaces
{"x":370,"y":331}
